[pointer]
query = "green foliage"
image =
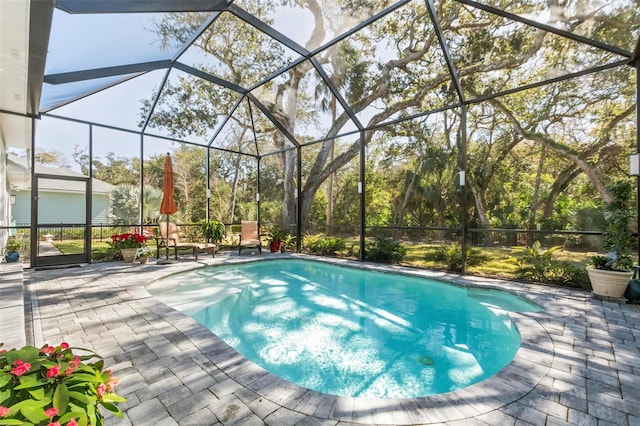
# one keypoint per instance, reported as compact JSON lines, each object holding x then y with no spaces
{"x":214,"y":230}
{"x":541,"y":265}
{"x":536,"y":263}
{"x":384,"y":250}
{"x":278,"y":234}
{"x":123,"y":201}
{"x":326,"y":246}
{"x":14,"y":245}
{"x":52,"y":384}
{"x":452,"y":256}
{"x":618,"y":236}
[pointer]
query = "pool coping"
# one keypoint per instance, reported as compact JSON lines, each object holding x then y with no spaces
{"x":530,"y":365}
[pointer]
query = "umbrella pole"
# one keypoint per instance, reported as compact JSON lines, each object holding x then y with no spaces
{"x":166,"y":261}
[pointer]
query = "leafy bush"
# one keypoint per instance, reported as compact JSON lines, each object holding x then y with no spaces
{"x":327,"y":246}
{"x":536,"y":263}
{"x":14,"y":245}
{"x":452,"y":256}
{"x":568,"y":274}
{"x":52,"y":385}
{"x":384,"y":250}
{"x":540,"y":265}
{"x":213,"y":230}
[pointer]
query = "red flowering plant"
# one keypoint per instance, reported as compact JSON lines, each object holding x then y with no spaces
{"x":53,"y":386}
{"x":128,"y":240}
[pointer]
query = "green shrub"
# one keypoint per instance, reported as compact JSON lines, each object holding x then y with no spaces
{"x":536,"y":263}
{"x":540,"y":265}
{"x":327,"y":246}
{"x":452,"y":257}
{"x":384,"y":250}
{"x":568,"y":274}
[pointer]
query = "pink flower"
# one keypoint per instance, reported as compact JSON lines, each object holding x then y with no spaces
{"x":101,"y":389}
{"x":54,"y":424}
{"x":48,"y":350}
{"x":64,"y":345}
{"x":51,"y":412}
{"x":68,"y":371}
{"x":3,"y":411}
{"x":72,"y":422}
{"x":75,"y":362}
{"x":21,"y":368}
{"x":53,"y":371}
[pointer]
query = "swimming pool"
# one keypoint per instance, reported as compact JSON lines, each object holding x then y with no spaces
{"x":351,"y":332}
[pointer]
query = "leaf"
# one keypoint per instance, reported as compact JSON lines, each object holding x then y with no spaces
{"x":27,"y":382}
{"x":112,"y":397}
{"x":26,"y":354}
{"x":5,"y":378}
{"x":11,"y":422}
{"x":5,"y":395}
{"x":78,"y":415}
{"x":61,"y":398}
{"x":33,"y":411}
{"x":37,"y":393}
{"x":85,"y":399}
{"x":113,"y":409}
{"x":82,"y":378}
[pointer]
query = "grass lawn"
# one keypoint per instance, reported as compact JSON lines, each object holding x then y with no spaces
{"x":99,"y":249}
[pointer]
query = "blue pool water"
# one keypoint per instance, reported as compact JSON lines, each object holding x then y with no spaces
{"x":351,"y":332}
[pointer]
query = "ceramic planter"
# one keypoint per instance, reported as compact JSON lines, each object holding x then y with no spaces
{"x":609,"y":283}
{"x":129,"y":255}
{"x":12,"y":256}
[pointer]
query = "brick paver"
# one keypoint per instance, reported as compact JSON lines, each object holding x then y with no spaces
{"x":579,"y":362}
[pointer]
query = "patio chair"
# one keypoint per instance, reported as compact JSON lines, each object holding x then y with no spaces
{"x":169,"y":238}
{"x":249,"y":236}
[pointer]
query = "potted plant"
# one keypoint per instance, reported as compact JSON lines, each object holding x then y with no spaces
{"x":12,"y":249}
{"x":128,"y":244}
{"x":214,"y":231}
{"x":55,"y":385}
{"x":277,"y":237}
{"x":144,"y":252}
{"x":611,"y":274}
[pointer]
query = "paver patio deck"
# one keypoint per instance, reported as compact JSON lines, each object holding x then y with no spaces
{"x":579,"y":363}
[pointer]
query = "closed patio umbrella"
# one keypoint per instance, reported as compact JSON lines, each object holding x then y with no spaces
{"x":168,"y":205}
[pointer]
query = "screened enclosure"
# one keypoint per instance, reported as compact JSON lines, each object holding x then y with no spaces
{"x":433,"y":123}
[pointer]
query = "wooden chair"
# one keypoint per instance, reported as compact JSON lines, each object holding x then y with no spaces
{"x":249,"y":236}
{"x":169,"y":238}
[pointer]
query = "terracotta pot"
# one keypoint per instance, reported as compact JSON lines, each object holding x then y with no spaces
{"x":129,"y":255}
{"x":143,"y":259}
{"x":609,"y":283}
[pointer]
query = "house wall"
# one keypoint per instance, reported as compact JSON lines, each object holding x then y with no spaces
{"x":5,"y":206}
{"x":57,"y":207}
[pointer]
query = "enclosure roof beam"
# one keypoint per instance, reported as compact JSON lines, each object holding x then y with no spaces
{"x":40,"y":19}
{"x":336,"y":93}
{"x":267,"y":29}
{"x":453,"y":72}
{"x":273,"y":119}
{"x":360,"y":26}
{"x":212,"y":78}
{"x":140,"y":6}
{"x":224,"y":122}
{"x":90,"y":74}
{"x":548,"y":28}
